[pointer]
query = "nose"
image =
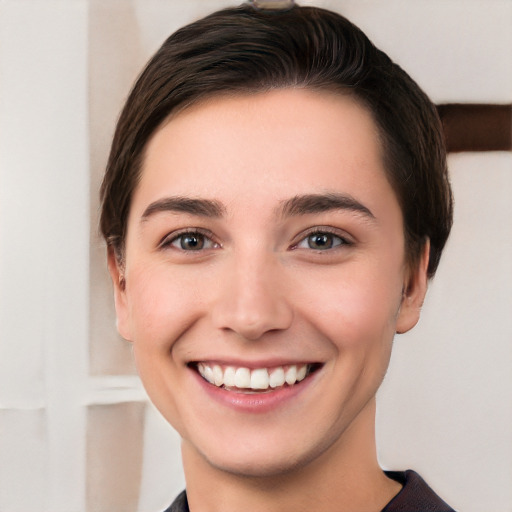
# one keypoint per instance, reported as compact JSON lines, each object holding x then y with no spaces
{"x":252,"y":299}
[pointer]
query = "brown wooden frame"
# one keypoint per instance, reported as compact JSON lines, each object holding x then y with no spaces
{"x":477,"y":127}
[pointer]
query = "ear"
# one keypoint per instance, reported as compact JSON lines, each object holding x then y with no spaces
{"x":414,"y":290}
{"x":116,"y":270}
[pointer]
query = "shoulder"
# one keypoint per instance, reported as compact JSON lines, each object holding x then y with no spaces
{"x":180,"y":504}
{"x":415,"y":496}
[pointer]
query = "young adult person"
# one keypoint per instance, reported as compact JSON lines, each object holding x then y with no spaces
{"x":275,"y":201}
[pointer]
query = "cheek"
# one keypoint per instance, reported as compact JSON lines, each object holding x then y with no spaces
{"x":357,"y":310}
{"x":162,"y":305}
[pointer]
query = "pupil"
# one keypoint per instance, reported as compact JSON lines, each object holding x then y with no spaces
{"x":320,"y":241}
{"x":192,"y":242}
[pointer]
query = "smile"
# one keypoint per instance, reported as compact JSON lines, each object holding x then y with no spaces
{"x":244,"y":379}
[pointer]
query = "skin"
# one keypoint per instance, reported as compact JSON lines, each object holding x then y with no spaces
{"x":260,"y":292}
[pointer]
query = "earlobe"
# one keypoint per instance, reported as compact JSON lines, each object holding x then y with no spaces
{"x":414,"y":291}
{"x":116,"y":271}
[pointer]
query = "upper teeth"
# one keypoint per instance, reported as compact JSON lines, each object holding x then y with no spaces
{"x":256,"y":379}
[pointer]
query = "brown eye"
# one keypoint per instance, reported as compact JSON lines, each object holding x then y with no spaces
{"x":321,"y":241}
{"x":189,"y":241}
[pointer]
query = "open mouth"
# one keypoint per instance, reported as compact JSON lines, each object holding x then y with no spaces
{"x":254,"y":380}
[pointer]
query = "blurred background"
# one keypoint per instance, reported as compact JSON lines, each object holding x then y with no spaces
{"x":77,"y":432}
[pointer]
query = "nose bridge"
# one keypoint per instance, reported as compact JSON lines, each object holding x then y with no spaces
{"x":252,"y":299}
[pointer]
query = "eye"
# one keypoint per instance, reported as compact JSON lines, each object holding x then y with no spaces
{"x":321,"y":241}
{"x":189,"y":241}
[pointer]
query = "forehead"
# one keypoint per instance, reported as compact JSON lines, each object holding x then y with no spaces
{"x":248,"y":147}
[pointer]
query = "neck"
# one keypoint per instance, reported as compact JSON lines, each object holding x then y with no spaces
{"x":346,"y":476}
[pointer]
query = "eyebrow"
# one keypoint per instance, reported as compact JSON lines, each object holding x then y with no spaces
{"x":199,"y":207}
{"x":298,"y":205}
{"x":318,"y":203}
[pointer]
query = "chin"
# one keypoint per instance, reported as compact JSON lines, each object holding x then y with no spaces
{"x":268,"y":459}
{"x":259,"y":467}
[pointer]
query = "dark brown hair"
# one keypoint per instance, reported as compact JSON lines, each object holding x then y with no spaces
{"x":244,"y":50}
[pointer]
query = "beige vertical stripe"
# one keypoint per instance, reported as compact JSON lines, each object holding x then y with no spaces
{"x":114,"y":61}
{"x":114,"y":456}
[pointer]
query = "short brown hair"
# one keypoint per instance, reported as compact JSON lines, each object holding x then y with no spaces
{"x":245,"y":50}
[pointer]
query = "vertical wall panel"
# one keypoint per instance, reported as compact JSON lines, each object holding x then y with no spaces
{"x":114,"y":60}
{"x":23,"y":460}
{"x":445,"y":407}
{"x":114,"y":456}
{"x":23,"y":213}
{"x":162,"y":476}
{"x":44,"y":223}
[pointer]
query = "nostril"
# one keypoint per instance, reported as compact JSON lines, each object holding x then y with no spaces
{"x":251,"y":322}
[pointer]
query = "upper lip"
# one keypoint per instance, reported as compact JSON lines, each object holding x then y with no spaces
{"x":261,"y":363}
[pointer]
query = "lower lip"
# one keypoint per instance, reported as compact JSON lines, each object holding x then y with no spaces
{"x":261,"y":402}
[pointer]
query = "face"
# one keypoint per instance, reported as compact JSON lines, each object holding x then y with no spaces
{"x":265,"y":277}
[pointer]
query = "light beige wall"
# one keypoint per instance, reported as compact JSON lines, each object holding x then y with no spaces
{"x":67,"y":384}
{"x":44,"y":226}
